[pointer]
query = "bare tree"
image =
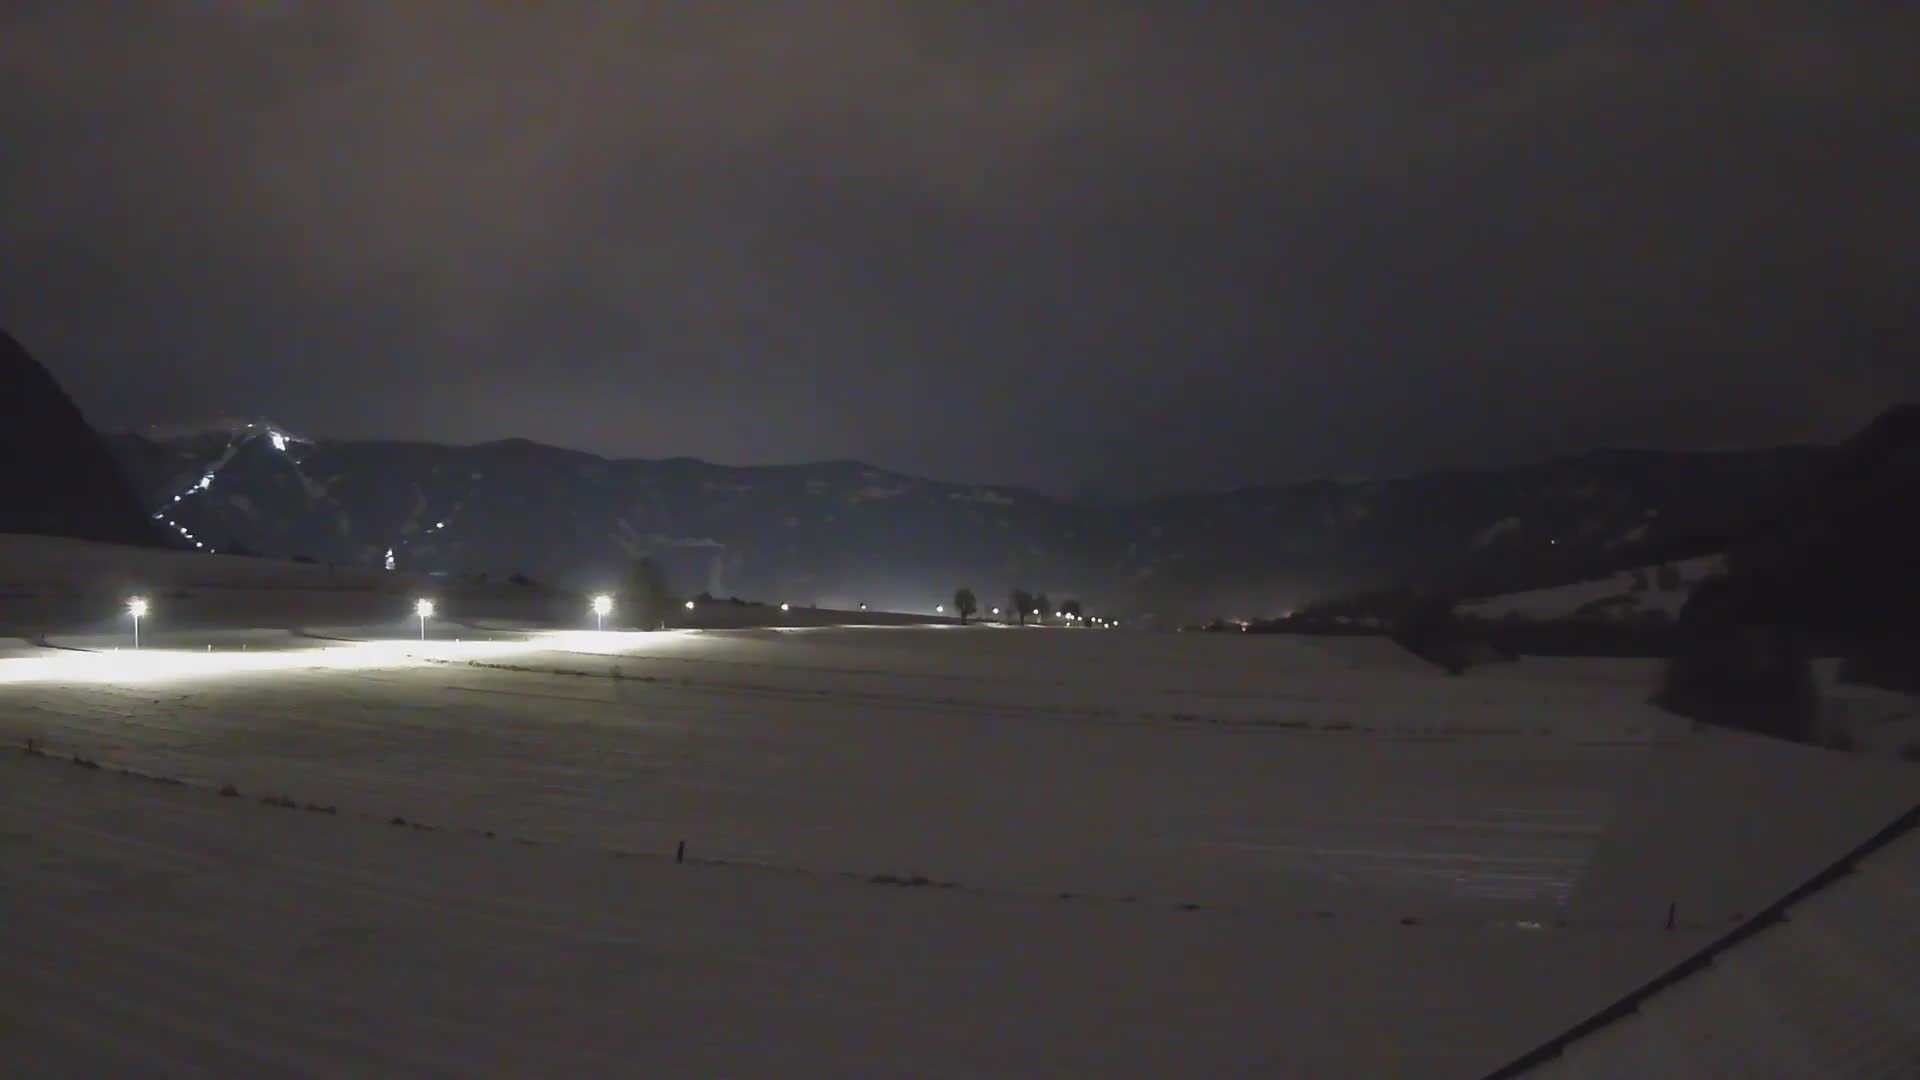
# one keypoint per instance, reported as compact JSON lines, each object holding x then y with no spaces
{"x":965,"y":603}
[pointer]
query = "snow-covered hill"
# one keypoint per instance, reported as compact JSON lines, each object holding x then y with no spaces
{"x":1634,"y":596}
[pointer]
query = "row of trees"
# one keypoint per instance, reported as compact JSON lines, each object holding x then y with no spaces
{"x":1020,"y":602}
{"x":645,"y":601}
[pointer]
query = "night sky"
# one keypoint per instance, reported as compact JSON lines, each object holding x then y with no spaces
{"x":1073,"y":245}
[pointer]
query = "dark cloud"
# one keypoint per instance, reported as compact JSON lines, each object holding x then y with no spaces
{"x":1078,"y":244}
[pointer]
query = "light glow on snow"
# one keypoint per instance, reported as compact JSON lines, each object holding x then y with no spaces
{"x":149,"y":665}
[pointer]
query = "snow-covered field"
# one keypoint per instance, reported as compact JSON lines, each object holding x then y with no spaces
{"x":1128,"y":853}
{"x":1628,"y":596}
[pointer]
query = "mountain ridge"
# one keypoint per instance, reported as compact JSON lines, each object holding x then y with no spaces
{"x":843,"y":531}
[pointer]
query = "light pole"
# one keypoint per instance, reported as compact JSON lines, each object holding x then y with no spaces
{"x":601,"y":605}
{"x":424,"y":609}
{"x":136,"y":607}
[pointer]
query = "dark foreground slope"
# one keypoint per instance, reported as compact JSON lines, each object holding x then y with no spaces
{"x":56,"y":476}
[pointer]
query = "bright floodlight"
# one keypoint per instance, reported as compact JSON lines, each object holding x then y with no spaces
{"x":689,"y":605}
{"x":601,"y":605}
{"x":279,"y":441}
{"x":786,"y":607}
{"x":137,"y":606}
{"x":423,"y":608}
{"x":996,"y":611}
{"x":939,"y":609}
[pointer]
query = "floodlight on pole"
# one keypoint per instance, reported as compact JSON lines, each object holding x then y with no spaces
{"x":424,"y":609}
{"x":601,"y":606}
{"x":939,"y":609}
{"x":136,"y":607}
{"x":786,"y":607}
{"x":689,"y":605}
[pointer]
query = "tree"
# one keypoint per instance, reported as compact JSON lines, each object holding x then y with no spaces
{"x":1022,"y":602}
{"x":965,"y":603}
{"x":1042,"y":605}
{"x":1071,"y":607}
{"x":1430,"y":629}
{"x":644,"y":600}
{"x":1743,"y":660}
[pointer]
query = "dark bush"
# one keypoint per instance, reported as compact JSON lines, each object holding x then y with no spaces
{"x":1891,"y":663}
{"x":1431,"y":630}
{"x":1741,"y":661}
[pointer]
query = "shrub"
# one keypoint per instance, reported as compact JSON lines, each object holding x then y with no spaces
{"x":1431,"y":630}
{"x":1742,"y":662}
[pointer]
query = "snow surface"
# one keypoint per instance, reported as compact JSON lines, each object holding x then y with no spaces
{"x":1137,"y":854}
{"x":1563,"y":601}
{"x":1146,"y":855}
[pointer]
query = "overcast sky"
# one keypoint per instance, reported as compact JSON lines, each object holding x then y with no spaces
{"x":1093,"y":247}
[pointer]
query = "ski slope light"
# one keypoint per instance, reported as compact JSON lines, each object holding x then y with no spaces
{"x":279,"y":441}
